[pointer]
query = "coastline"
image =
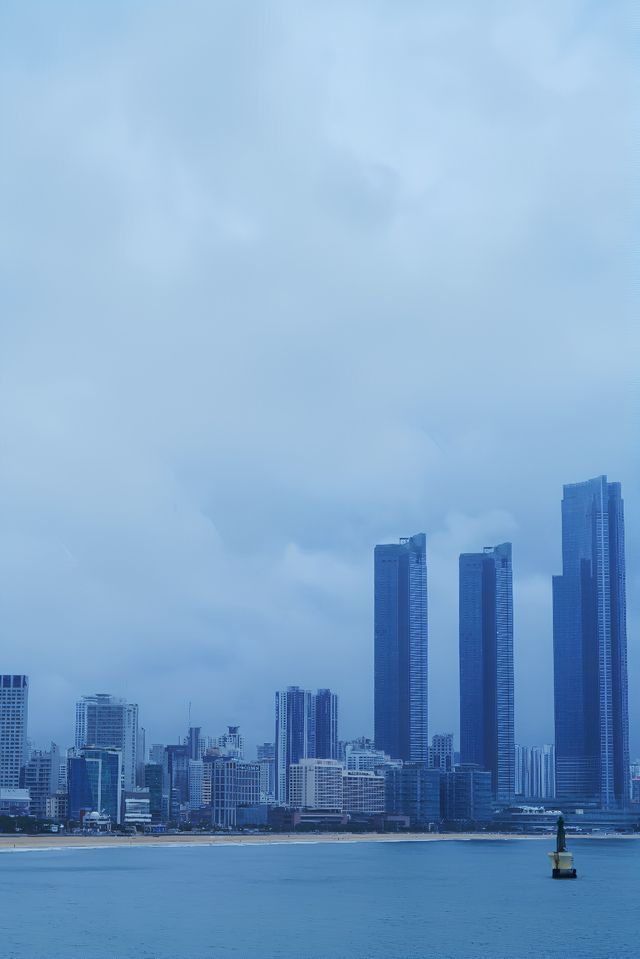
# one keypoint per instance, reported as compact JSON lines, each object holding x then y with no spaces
{"x":22,"y":843}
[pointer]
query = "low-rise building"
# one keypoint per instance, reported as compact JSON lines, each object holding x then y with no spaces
{"x":466,"y":795}
{"x":137,"y":808}
{"x":14,"y":801}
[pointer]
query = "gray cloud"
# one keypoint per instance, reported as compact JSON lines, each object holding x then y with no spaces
{"x":282,"y":284}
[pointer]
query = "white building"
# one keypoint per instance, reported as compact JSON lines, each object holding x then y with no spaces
{"x":14,"y":695}
{"x":363,"y":792}
{"x":234,"y":783}
{"x":108,"y":722}
{"x":535,"y":772}
{"x":14,"y":802}
{"x":361,"y":760}
{"x":316,"y":784}
{"x":137,"y":808}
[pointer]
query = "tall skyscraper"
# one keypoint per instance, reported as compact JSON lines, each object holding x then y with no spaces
{"x":326,"y":724}
{"x":104,"y":721}
{"x":401,"y":638}
{"x":486,"y":666}
{"x":14,"y":694}
{"x":590,"y":647}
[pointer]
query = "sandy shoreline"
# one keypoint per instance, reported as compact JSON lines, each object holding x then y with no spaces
{"x":11,"y":843}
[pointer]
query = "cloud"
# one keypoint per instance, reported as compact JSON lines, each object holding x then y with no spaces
{"x":280,"y":286}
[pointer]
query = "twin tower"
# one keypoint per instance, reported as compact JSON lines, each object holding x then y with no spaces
{"x":590,"y":653}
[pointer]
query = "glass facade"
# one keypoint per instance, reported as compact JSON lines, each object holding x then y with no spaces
{"x":95,"y":783}
{"x":486,"y":666}
{"x":326,"y":724}
{"x":413,"y":790}
{"x":466,"y":795}
{"x":590,"y":648}
{"x":401,"y":649}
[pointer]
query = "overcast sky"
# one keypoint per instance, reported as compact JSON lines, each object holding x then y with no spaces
{"x":281,"y":281}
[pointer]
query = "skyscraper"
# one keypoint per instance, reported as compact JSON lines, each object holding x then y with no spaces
{"x":105,"y":721}
{"x":400,"y":614}
{"x":14,"y":693}
{"x":486,"y":666}
{"x":295,"y":723}
{"x":306,"y":728}
{"x":590,"y":647}
{"x":326,"y":724}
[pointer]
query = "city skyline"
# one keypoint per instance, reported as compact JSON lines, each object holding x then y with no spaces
{"x":360,"y":293}
{"x":589,"y":629}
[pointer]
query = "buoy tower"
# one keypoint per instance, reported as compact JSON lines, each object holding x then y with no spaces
{"x":561,"y":860}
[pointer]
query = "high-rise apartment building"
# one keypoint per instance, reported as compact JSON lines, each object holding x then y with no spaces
{"x":590,"y":648}
{"x":104,"y":721}
{"x":401,"y":639}
{"x":294,"y":734}
{"x":234,"y":783}
{"x":326,"y":724}
{"x":486,"y":666}
{"x":14,"y":694}
{"x":305,"y":723}
{"x":195,"y":778}
{"x":535,"y":772}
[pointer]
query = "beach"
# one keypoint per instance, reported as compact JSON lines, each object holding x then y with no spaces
{"x":12,"y":842}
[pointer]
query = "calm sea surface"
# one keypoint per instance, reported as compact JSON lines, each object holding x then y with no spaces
{"x":441,"y":900}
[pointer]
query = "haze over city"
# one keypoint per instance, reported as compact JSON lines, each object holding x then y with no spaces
{"x":281,"y":288}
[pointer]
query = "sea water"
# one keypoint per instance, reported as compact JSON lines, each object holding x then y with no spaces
{"x":355,"y":900}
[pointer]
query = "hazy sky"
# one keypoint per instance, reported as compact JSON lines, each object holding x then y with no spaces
{"x":281,"y":281}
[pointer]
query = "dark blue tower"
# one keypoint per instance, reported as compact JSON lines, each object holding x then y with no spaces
{"x":401,"y":669}
{"x":486,"y":666}
{"x":590,"y":648}
{"x":326,"y":724}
